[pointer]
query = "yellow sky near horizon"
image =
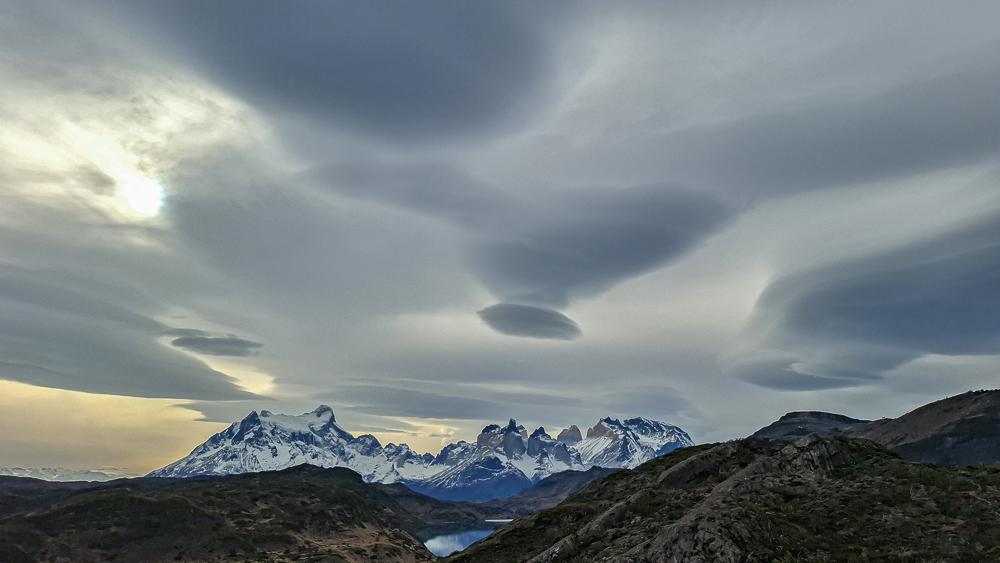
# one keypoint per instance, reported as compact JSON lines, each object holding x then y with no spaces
{"x":42,"y":427}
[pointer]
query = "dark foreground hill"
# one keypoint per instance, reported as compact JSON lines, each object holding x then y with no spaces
{"x":802,"y":423}
{"x":814,"y":499}
{"x":304,"y":513}
{"x":549,"y":492}
{"x":963,"y":429}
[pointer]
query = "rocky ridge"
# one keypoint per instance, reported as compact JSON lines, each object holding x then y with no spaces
{"x":813,"y":499}
{"x":963,"y":429}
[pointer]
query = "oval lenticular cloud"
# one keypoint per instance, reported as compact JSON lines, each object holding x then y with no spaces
{"x":533,"y":322}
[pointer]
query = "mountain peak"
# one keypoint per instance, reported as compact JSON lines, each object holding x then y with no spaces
{"x":570,"y":435}
{"x":321,"y":411}
{"x":540,"y":433}
{"x":603,"y":428}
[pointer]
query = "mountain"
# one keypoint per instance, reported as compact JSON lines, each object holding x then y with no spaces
{"x":964,"y":429}
{"x":548,"y":492}
{"x":501,"y":462}
{"x":802,"y":423}
{"x":304,"y":513}
{"x":269,"y":442}
{"x":814,"y":499}
{"x":629,"y":443}
{"x":62,"y":474}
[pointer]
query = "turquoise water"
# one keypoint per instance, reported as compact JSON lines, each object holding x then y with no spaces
{"x":450,"y":543}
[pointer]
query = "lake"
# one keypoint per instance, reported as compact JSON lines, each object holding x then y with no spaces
{"x":446,"y":544}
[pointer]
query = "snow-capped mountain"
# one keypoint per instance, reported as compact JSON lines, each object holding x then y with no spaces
{"x":502,"y":461}
{"x":500,"y":464}
{"x":268,"y":442}
{"x":629,"y":443}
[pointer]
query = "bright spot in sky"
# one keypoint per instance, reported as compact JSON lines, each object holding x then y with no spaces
{"x":144,"y":195}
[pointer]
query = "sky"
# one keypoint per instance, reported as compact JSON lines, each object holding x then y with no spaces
{"x":436,"y":215}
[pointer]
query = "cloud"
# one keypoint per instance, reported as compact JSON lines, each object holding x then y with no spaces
{"x":548,"y":247}
{"x":652,"y":401}
{"x":644,"y":164}
{"x":533,"y":322}
{"x":845,"y":324}
{"x":388,"y":401}
{"x":464,"y":402}
{"x":57,"y":333}
{"x":402,"y":72}
{"x":923,"y":125}
{"x":213,"y":344}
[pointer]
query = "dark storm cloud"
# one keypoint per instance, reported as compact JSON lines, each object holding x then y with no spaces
{"x":216,"y":345}
{"x":843,"y":325}
{"x":533,"y":322}
{"x":398,"y":70}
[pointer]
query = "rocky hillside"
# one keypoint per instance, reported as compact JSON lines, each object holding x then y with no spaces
{"x":814,"y":499}
{"x":549,"y":492}
{"x":964,"y":429}
{"x":305,"y":513}
{"x":803,"y":423}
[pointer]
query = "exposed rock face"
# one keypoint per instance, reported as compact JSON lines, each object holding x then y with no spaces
{"x":570,"y":435}
{"x":798,"y":424}
{"x":600,"y":430}
{"x":814,"y":499}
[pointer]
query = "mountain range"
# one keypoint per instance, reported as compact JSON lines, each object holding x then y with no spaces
{"x":502,"y":461}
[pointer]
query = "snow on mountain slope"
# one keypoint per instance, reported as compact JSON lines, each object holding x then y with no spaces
{"x":268,"y":442}
{"x":502,"y":461}
{"x":500,"y":465}
{"x":613,"y":443}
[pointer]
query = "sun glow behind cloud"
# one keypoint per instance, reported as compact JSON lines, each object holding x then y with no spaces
{"x":144,"y":195}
